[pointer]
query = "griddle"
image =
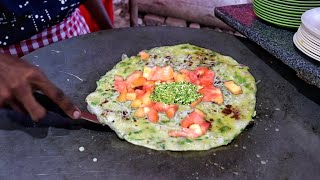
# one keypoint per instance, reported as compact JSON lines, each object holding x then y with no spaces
{"x":283,"y":143}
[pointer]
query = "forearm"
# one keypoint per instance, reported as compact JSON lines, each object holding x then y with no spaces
{"x":96,"y":8}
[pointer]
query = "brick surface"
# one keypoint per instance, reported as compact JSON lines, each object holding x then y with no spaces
{"x":117,"y":12}
{"x":153,"y":20}
{"x":194,"y":25}
{"x":176,"y":22}
{"x":140,"y":22}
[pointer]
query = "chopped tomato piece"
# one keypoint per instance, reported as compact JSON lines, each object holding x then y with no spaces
{"x":123,"y":96}
{"x":138,"y":82}
{"x":171,"y":111}
{"x":144,"y":55}
{"x":161,"y":74}
{"x":185,"y":132}
{"x":159,"y":106}
{"x":207,"y":78}
{"x":118,"y":78}
{"x":201,"y":76}
{"x":146,"y":72}
{"x":133,"y":76}
{"x":146,"y":99}
{"x":204,"y":127}
{"x":152,"y":72}
{"x":200,"y":113}
{"x":192,"y":77}
{"x":194,"y":130}
{"x":185,"y":73}
{"x":149,"y":86}
{"x":212,"y":94}
{"x":153,"y":116}
{"x":233,"y":87}
{"x":136,"y":103}
{"x":139,"y":93}
{"x":131,"y":96}
{"x":195,"y":103}
{"x":179,"y":77}
{"x":139,"y":112}
{"x":130,"y":89}
{"x":201,"y":70}
{"x":186,"y":122}
{"x":196,"y":117}
{"x":119,"y":84}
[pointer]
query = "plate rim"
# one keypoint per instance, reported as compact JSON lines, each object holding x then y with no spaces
{"x":309,"y":36}
{"x":275,"y":22}
{"x":306,"y":44}
{"x":303,"y":3}
{"x":276,"y":17}
{"x":303,"y":49}
{"x":284,"y":8}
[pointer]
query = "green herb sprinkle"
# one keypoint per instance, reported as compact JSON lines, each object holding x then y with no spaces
{"x":183,"y":93}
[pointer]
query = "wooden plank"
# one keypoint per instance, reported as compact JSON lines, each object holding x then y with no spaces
{"x":133,"y":10}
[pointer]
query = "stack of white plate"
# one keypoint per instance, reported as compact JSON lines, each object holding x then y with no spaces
{"x":307,"y":38}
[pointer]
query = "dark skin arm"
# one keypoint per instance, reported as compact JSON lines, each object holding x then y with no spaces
{"x":18,"y":81}
{"x":96,"y":8}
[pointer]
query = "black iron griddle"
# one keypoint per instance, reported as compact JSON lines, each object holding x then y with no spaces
{"x":283,"y":143}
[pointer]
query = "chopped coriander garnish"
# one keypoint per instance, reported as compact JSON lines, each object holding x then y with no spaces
{"x":183,"y":93}
{"x":137,"y":132}
{"x":181,"y":142}
{"x":224,"y":129}
{"x":94,"y":103}
{"x":163,"y":146}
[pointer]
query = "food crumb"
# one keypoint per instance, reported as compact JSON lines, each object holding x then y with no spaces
{"x":81,"y":149}
{"x":266,"y":129}
{"x":216,"y":164}
{"x":277,"y":109}
{"x":236,"y":145}
{"x":277,"y":129}
{"x":258,"y":156}
{"x":244,"y":147}
{"x":264,"y":162}
{"x":236,"y":173}
{"x":222,"y":167}
{"x":258,"y":81}
{"x":94,"y":159}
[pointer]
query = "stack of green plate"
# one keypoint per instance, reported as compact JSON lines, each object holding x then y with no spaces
{"x":286,"y":13}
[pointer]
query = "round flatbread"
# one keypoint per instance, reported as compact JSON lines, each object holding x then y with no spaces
{"x":226,"y":120}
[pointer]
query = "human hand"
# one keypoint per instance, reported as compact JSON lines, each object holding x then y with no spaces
{"x":18,"y":80}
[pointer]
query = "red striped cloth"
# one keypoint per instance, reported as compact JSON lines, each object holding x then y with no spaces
{"x":74,"y":25}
